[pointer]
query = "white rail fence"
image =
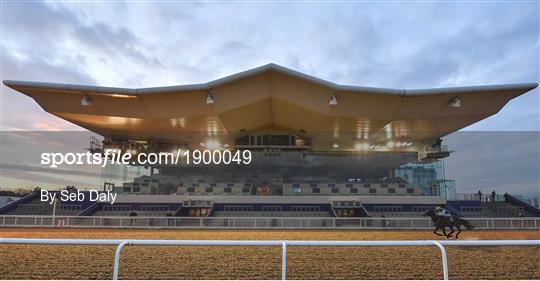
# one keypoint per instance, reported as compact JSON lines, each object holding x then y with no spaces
{"x":280,"y":243}
{"x":257,"y":222}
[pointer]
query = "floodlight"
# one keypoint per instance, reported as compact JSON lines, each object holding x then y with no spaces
{"x":455,"y":102}
{"x":361,"y":146}
{"x":333,"y":100}
{"x":87,"y":100}
{"x":209,"y":98}
{"x":213,"y":144}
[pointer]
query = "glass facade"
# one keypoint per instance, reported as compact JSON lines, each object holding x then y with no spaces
{"x":117,"y":175}
{"x":429,"y":177}
{"x":417,"y":175}
{"x":444,"y":188}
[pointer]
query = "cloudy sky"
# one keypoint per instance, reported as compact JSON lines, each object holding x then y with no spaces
{"x":393,"y":45}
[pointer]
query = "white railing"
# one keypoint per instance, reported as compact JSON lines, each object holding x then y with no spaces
{"x":283,"y":243}
{"x":427,"y":149}
{"x":258,"y":222}
{"x":482,"y":198}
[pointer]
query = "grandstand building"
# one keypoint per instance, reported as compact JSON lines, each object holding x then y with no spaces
{"x":319,"y":149}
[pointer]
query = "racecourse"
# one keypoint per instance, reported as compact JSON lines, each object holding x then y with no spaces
{"x":95,"y":262}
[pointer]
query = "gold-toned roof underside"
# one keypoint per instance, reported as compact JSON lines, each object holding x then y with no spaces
{"x":271,"y":98}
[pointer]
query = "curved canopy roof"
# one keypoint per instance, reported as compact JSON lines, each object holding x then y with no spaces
{"x":271,"y":97}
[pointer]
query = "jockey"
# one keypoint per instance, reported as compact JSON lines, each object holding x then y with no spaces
{"x":443,"y":212}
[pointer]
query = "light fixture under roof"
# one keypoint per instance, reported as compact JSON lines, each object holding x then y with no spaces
{"x":361,"y":146}
{"x":87,"y":100}
{"x":333,"y":100}
{"x":455,"y":102}
{"x":213,"y":144}
{"x":209,"y":98}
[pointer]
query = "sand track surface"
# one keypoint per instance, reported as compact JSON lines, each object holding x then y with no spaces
{"x":138,"y":262}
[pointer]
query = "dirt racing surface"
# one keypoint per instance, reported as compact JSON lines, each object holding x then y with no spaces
{"x":174,"y":262}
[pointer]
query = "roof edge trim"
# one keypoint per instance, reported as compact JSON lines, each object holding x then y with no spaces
{"x":268,"y":67}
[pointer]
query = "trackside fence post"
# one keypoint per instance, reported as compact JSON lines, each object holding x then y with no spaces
{"x":117,"y":259}
{"x":283,"y":260}
{"x":444,"y":259}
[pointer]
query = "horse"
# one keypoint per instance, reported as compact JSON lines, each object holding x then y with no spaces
{"x":442,"y":222}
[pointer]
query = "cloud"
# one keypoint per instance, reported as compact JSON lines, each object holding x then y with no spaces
{"x":34,"y":169}
{"x":396,"y":45}
{"x":45,"y":126}
{"x":20,"y":163}
{"x":25,"y":61}
{"x":500,"y":161}
{"x":58,"y":29}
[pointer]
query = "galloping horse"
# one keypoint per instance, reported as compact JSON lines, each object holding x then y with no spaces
{"x":442,"y":222}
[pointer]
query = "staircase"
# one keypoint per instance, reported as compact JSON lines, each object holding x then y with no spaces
{"x":26,"y":199}
{"x":90,"y":210}
{"x":453,"y":210}
{"x":532,"y":210}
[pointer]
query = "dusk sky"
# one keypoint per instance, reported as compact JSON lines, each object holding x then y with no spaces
{"x":391,"y":45}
